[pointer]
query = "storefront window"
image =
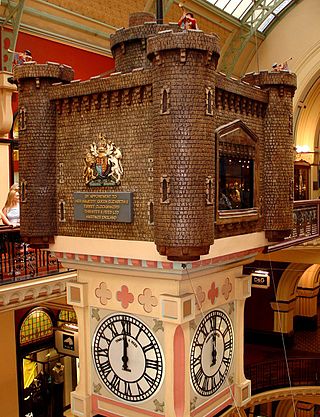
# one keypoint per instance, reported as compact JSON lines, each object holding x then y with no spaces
{"x":235,"y":183}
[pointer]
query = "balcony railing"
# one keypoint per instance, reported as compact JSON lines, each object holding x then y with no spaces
{"x":306,"y":224}
{"x":19,"y":261}
{"x":279,"y":374}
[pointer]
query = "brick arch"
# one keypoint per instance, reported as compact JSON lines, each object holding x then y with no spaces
{"x":285,"y":306}
{"x":311,"y":277}
{"x":286,"y":290}
{"x":307,"y":295}
{"x":284,"y":409}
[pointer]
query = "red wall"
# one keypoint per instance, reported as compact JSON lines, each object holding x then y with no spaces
{"x":85,"y":64}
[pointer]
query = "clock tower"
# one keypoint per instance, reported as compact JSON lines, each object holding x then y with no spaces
{"x":166,"y":339}
{"x":146,"y":202}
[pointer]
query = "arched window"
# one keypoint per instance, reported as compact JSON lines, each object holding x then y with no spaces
{"x":62,"y":211}
{"x":209,"y":101}
{"x":151,"y":212}
{"x":165,"y":189}
{"x":165,"y":100}
{"x":68,"y":316}
{"x":209,"y":191}
{"x":36,"y":326}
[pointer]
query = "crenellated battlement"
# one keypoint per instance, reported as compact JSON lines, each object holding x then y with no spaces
{"x":104,"y":100}
{"x":240,"y":97}
{"x":148,"y":29}
{"x":192,"y":40}
{"x":129,"y":45}
{"x":265,"y":79}
{"x":96,"y":85}
{"x":60,"y":72}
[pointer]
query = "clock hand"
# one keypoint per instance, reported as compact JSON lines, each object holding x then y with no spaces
{"x":214,"y":350}
{"x":125,"y":358}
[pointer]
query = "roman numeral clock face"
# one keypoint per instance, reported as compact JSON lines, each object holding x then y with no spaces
{"x":128,"y":358}
{"x":211,"y":353}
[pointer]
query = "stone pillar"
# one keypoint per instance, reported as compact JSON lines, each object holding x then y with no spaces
{"x":80,"y":398}
{"x":6,"y":90}
{"x":37,"y":120}
{"x":8,"y":365}
{"x":6,"y":119}
{"x":183,"y":139}
{"x":283,"y":317}
{"x":278,"y":150}
{"x":242,"y":394}
{"x":177,"y":312}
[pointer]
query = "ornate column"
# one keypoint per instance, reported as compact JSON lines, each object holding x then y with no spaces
{"x":242,"y":385}
{"x":283,"y":316}
{"x":80,"y":400}
{"x":6,"y":118}
{"x":6,"y":90}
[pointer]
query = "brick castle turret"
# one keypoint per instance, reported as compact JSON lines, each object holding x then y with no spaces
{"x":129,"y":45}
{"x":278,"y":150}
{"x":183,"y":139}
{"x":37,"y":135}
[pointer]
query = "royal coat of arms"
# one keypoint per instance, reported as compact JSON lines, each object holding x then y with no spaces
{"x":103,"y":164}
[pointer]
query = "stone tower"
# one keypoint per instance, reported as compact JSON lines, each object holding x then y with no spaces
{"x":129,"y":45}
{"x":184,"y":67}
{"x":278,"y":151}
{"x":38,"y":145}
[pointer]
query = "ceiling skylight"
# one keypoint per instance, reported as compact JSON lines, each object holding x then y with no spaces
{"x":256,"y":13}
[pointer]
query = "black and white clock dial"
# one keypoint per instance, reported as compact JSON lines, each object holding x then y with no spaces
{"x":128,"y":358}
{"x":211,"y":352}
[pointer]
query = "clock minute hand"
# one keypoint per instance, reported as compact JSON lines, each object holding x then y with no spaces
{"x":214,"y":350}
{"x":125,"y":358}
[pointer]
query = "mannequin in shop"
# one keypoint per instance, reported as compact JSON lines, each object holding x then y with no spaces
{"x":36,"y":397}
{"x":57,"y":375}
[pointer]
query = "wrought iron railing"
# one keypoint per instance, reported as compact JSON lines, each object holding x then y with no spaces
{"x":20,"y":261}
{"x":306,"y":224}
{"x":280,"y":374}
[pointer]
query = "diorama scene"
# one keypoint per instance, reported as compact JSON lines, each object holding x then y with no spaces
{"x":160,"y":208}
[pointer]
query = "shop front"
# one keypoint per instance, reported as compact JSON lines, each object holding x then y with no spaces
{"x":47,"y":362}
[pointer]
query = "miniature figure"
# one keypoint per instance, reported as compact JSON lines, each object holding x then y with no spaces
{"x":21,"y":57}
{"x":187,"y":21}
{"x":281,"y":67}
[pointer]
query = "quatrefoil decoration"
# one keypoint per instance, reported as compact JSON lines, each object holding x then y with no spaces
{"x":103,"y":293}
{"x":213,"y":293}
{"x":147,"y":300}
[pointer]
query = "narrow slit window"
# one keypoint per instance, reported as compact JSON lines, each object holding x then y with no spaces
{"x":22,"y":118}
{"x":209,"y":101}
{"x":23,"y":192}
{"x":165,"y":190}
{"x":151,"y":212}
{"x":165,"y":101}
{"x":209,"y":191}
{"x":62,"y":211}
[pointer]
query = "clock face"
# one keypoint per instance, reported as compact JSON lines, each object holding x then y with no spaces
{"x":211,"y":352}
{"x":128,"y":358}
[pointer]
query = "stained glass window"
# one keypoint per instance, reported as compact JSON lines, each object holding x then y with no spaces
{"x":68,"y":316}
{"x":36,"y":326}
